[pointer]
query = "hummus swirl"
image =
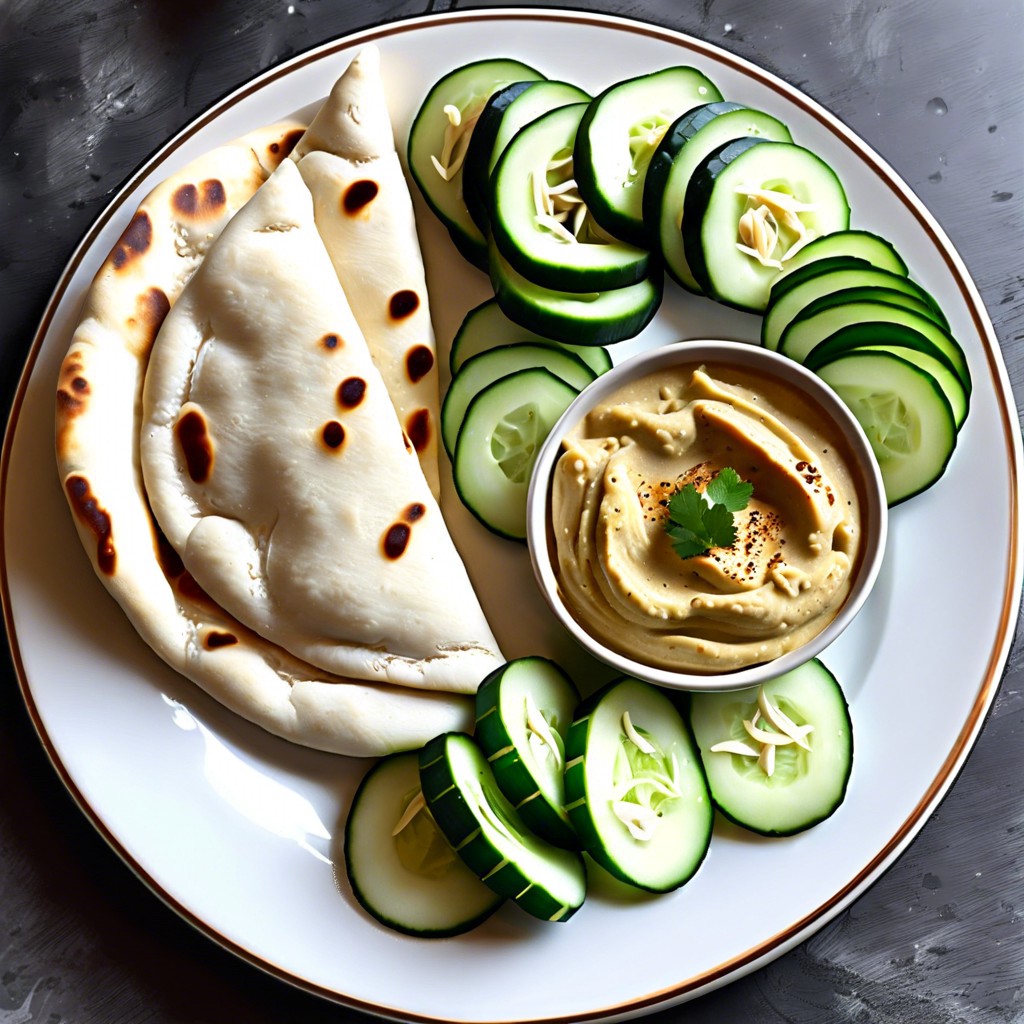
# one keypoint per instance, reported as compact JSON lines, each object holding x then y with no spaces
{"x":789,"y":571}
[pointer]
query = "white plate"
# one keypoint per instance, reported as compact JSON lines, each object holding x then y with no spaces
{"x":240,"y":832}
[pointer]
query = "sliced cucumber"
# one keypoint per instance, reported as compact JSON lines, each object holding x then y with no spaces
{"x":465,"y":90}
{"x":634,"y":786}
{"x":486,"y":326}
{"x":905,"y":415}
{"x":505,"y":113}
{"x":809,"y":774}
{"x":487,"y":833}
{"x":863,"y":245}
{"x":411,"y":880}
{"x":540,"y":224}
{"x":785,"y":306}
{"x":618,"y":136}
{"x":687,"y":142}
{"x":826,"y":315}
{"x":487,"y":367}
{"x":731,"y":184}
{"x":523,"y":711}
{"x":904,"y":341}
{"x":580,"y":318}
{"x":504,"y":426}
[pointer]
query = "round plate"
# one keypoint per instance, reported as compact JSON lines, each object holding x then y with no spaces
{"x":241,"y":833}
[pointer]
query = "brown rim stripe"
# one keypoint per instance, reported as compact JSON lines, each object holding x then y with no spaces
{"x":775,"y":944}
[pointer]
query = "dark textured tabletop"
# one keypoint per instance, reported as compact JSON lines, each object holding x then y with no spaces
{"x":88,"y":88}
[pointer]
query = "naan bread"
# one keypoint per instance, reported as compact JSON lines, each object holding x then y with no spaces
{"x":278,"y":470}
{"x":364,"y":213}
{"x":99,"y":396}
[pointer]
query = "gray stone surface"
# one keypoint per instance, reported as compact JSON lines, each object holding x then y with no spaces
{"x":89,"y":87}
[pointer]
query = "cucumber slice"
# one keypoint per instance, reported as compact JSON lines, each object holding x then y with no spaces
{"x":828,"y":314}
{"x":487,"y":833}
{"x":540,"y":223}
{"x":686,"y":143}
{"x":863,"y":245}
{"x":505,"y":113}
{"x":904,"y":341}
{"x":504,"y":427}
{"x":466,"y":89}
{"x":523,"y":711}
{"x":805,"y":785}
{"x":730,"y":184}
{"x":905,"y":415}
{"x":786,"y":305}
{"x":487,"y":367}
{"x":618,"y":136}
{"x":411,"y":881}
{"x":486,"y":326}
{"x":634,"y":786}
{"x":581,"y":318}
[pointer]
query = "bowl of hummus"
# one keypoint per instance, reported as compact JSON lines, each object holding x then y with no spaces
{"x":706,"y":515}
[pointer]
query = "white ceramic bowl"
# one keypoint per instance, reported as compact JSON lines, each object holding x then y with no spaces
{"x":864,"y":468}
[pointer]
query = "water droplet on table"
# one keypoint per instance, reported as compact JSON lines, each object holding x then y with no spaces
{"x":936,"y":105}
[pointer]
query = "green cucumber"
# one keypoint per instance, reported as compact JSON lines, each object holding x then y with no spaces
{"x":634,"y":786}
{"x":506,"y":112}
{"x":905,"y":415}
{"x":466,"y":89}
{"x":539,"y":222}
{"x":784,"y":306}
{"x":411,"y":880}
{"x":489,"y":836}
{"x":811,"y":770}
{"x":497,"y":444}
{"x":618,"y":136}
{"x":687,"y":142}
{"x":523,"y":711}
{"x":862,"y":245}
{"x":485,"y":327}
{"x":728,"y":186}
{"x":485,"y":368}
{"x":587,"y":318}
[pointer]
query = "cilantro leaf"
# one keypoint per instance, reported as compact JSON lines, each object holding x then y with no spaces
{"x":699,"y":522}
{"x":729,"y":490}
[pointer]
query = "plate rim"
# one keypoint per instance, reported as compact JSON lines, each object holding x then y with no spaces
{"x":773,"y":946}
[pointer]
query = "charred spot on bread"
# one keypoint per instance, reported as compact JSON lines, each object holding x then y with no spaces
{"x":417,"y":427}
{"x":330,"y":342}
{"x":396,"y":540}
{"x":351,"y":392}
{"x":359,"y":195}
{"x":208,"y":199}
{"x":217,"y":638}
{"x":403,"y":304}
{"x":151,"y":307}
{"x":415,"y":511}
{"x":73,"y":388}
{"x":419,"y":361}
{"x":136,"y":240}
{"x":95,"y":518}
{"x":195,"y":443}
{"x":333,"y":434}
{"x":287,"y":144}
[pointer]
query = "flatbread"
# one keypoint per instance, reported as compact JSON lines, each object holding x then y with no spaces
{"x":276,"y":465}
{"x":99,"y":395}
{"x":364,"y":213}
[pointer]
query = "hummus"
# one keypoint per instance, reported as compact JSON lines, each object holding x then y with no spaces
{"x":789,"y":571}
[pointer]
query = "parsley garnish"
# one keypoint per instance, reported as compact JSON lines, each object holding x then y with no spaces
{"x":694,"y":526}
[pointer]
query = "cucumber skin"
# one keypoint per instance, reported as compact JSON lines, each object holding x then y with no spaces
{"x":513,"y":778}
{"x":460,"y":827}
{"x":575,"y":784}
{"x":357,"y":890}
{"x":781,"y":833}
{"x":567,"y":329}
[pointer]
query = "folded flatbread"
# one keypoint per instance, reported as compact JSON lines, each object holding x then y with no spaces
{"x":276,"y":465}
{"x":364,"y":213}
{"x":99,"y":397}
